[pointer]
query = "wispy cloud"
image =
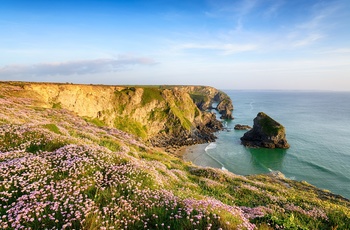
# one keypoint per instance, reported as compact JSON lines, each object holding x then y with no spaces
{"x":223,"y":49}
{"x":273,"y":9}
{"x":239,"y":8}
{"x":235,"y":10}
{"x":248,"y":6}
{"x":337,"y":51}
{"x":309,"y":39}
{"x":74,"y":67}
{"x":299,"y":32}
{"x":314,"y":28}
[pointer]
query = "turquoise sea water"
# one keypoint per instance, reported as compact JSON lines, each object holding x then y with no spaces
{"x":318,"y":130}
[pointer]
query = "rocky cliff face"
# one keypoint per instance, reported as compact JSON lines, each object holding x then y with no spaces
{"x":164,"y":115}
{"x":207,"y":98}
{"x":210,"y":98}
{"x":266,"y":133}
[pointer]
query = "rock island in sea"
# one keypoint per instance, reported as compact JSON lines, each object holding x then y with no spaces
{"x":266,"y":133}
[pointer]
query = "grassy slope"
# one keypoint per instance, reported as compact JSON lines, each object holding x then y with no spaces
{"x":59,"y":171}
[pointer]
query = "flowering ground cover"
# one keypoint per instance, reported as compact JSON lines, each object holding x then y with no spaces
{"x":60,"y":171}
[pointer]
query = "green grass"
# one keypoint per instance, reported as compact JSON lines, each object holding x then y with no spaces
{"x":96,"y":122}
{"x":130,"y":126}
{"x":270,"y":126}
{"x":126,"y":91}
{"x":52,"y":128}
{"x":151,"y":94}
{"x":81,"y":135}
{"x":185,"y":123}
{"x":199,"y":98}
{"x":111,"y":144}
{"x":3,"y":121}
{"x":159,"y":114}
{"x":57,"y":105}
{"x":49,"y":147}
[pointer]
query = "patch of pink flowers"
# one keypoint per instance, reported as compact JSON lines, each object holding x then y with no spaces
{"x":85,"y":186}
{"x":314,"y":212}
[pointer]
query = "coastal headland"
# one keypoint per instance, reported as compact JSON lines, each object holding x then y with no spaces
{"x":88,"y":157}
{"x":165,"y":116}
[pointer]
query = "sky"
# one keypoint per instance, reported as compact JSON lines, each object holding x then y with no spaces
{"x":227,"y":44}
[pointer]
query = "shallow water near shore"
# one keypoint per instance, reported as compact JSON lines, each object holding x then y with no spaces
{"x":318,"y":130}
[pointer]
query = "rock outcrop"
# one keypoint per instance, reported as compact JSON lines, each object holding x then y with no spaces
{"x":266,"y":133}
{"x":207,"y":98}
{"x":242,"y":127}
{"x":225,"y":106}
{"x":163,"y":115}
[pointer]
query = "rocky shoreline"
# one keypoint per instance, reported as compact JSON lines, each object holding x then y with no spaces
{"x":202,"y":134}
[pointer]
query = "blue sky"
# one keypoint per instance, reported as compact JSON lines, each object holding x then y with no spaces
{"x":228,"y":44}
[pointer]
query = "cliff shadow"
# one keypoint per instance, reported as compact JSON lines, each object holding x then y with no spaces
{"x":267,"y":160}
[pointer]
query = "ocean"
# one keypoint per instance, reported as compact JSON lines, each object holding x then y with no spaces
{"x":318,"y":131}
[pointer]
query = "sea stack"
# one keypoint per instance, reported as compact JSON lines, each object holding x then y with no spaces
{"x":266,"y":133}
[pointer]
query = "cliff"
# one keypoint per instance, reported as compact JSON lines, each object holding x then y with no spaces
{"x":60,"y":171}
{"x":266,"y":133}
{"x":210,"y":98}
{"x":163,"y":115}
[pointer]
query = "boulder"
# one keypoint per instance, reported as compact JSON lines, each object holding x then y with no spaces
{"x":266,"y":133}
{"x":242,"y":127}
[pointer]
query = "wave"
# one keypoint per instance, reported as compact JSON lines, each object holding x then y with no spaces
{"x":251,"y":104}
{"x":324,"y":169}
{"x":210,"y":146}
{"x":321,"y":168}
{"x":213,"y":146}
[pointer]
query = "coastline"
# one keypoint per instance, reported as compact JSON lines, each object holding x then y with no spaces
{"x":198,"y":155}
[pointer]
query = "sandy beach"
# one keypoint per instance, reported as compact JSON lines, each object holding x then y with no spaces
{"x":197,"y":155}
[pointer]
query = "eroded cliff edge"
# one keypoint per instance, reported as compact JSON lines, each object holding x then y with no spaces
{"x":166,"y":116}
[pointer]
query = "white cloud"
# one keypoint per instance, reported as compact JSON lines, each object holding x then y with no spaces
{"x":74,"y":67}
{"x":223,"y":49}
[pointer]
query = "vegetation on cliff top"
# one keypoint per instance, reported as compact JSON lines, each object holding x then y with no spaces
{"x":150,"y":94}
{"x":269,"y":125}
{"x":58,"y":171}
